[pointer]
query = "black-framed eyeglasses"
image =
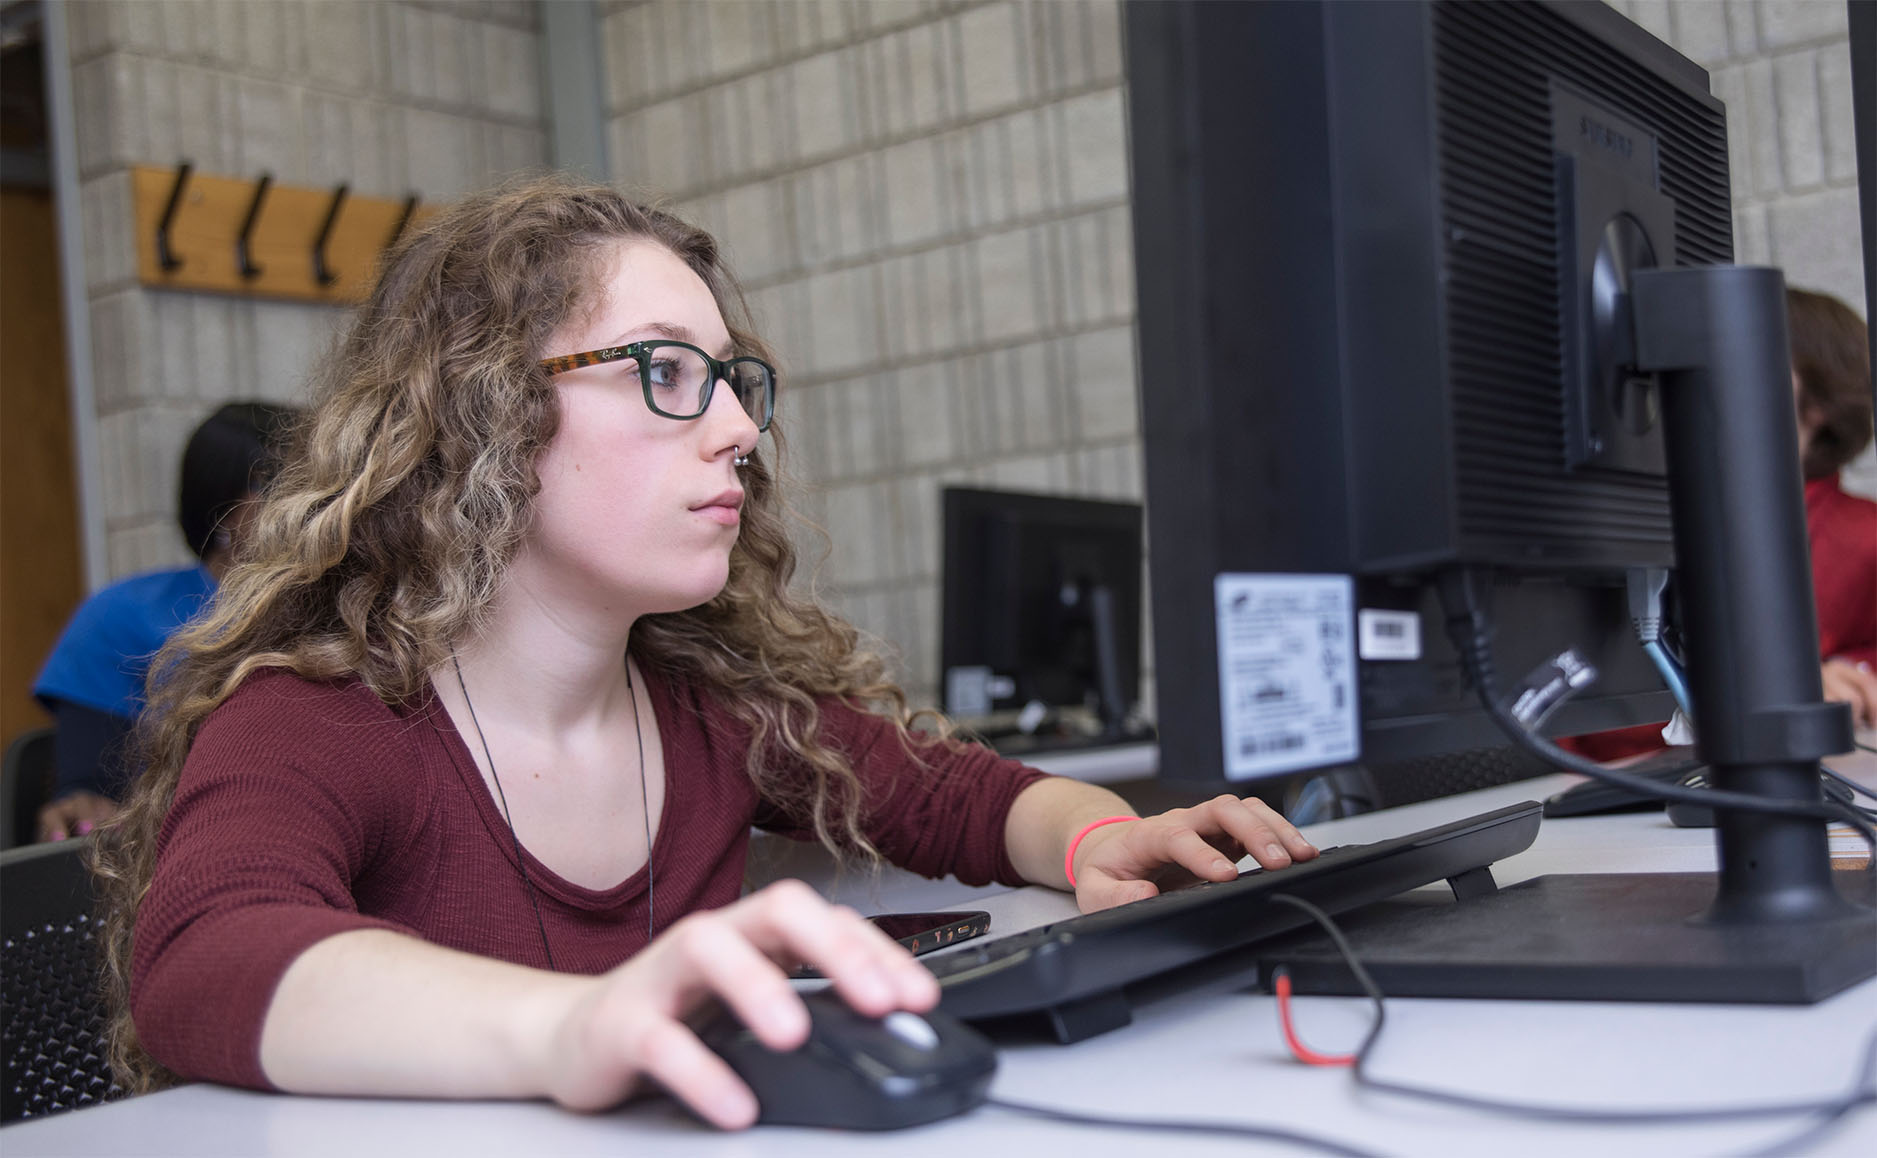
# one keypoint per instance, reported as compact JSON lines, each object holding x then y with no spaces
{"x":678,"y":378}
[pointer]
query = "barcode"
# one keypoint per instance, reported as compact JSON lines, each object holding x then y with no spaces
{"x":1261,"y":745}
{"x":1385,"y":627}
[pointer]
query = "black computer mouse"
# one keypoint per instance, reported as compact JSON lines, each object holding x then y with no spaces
{"x":1698,"y":816}
{"x":857,"y":1072}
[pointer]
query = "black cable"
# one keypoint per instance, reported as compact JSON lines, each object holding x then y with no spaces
{"x":1866,"y":747}
{"x":1231,"y":1129}
{"x":1467,"y":628}
{"x":1863,"y":1091}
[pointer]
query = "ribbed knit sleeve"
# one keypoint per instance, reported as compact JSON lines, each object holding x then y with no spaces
{"x":289,"y":792}
{"x":935,"y":809}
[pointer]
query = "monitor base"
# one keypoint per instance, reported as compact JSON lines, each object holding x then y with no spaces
{"x":1591,"y":937}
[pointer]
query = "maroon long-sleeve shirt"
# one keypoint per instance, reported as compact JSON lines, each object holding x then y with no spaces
{"x":307,"y":809}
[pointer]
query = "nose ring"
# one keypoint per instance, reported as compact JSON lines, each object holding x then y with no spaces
{"x":738,"y":458}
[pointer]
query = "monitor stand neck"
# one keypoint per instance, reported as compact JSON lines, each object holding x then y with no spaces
{"x":1716,"y":338}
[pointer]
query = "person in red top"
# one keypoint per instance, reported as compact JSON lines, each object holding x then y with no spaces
{"x":450,"y":792}
{"x":1831,"y":392}
{"x":1831,"y":385}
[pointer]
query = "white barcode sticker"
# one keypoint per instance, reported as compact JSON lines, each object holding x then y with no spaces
{"x":1287,"y":670}
{"x":1388,"y":634}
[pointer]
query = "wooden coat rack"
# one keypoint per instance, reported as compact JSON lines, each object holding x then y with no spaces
{"x":233,"y":236}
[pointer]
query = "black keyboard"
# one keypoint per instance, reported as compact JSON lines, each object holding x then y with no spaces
{"x":1076,"y":971}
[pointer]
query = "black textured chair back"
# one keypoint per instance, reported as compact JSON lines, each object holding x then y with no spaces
{"x":51,"y":1016}
{"x":26,"y":779}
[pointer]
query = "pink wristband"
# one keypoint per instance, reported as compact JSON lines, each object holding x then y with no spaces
{"x":1068,"y":860}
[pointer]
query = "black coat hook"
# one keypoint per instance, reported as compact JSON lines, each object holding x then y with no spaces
{"x":166,"y":258}
{"x":404,"y":218}
{"x":243,"y":259}
{"x":321,"y":272}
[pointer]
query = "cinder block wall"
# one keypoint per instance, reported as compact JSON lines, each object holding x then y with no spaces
{"x":928,"y":201}
{"x":391,"y":98}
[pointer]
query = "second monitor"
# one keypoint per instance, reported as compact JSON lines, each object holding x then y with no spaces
{"x":1041,"y":618}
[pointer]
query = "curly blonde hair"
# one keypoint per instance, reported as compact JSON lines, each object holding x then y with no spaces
{"x":406,"y":493}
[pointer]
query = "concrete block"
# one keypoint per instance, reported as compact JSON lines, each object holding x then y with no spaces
{"x":339,"y":45}
{"x":994,"y":64}
{"x":1838,"y":121}
{"x":920,"y":79}
{"x":1700,"y":31}
{"x":268,"y":116}
{"x":451,"y":51}
{"x":511,"y":71}
{"x":821,"y":104}
{"x":171,"y":353}
{"x":1104,"y":42}
{"x":861,"y":405}
{"x":916,"y":192}
{"x":927,"y":432}
{"x":1653,"y":16}
{"x":1110,"y":472}
{"x":1103,"y":391}
{"x":100,"y":89}
{"x":372,"y":175}
{"x":1031,"y":389}
{"x":141,"y":29}
{"x":406,"y":54}
{"x":1753,"y":244}
{"x":119,"y":326}
{"x":267,"y":27}
{"x":921,"y":530}
{"x":854,"y":525}
{"x":109,"y":242}
{"x":1801,"y":144}
{"x":624,"y":49}
{"x":754,"y":229}
{"x":1729,"y":84}
{"x":434,"y":149}
{"x":1784,"y":23}
{"x":211,"y":332}
{"x":1762,"y":123}
{"x":768,"y":142}
{"x":326,"y":136}
{"x":1048,"y":473}
{"x":91,"y":29}
{"x":157,"y":112}
{"x":1816,"y":239}
{"x":733,"y":42}
{"x":1011,"y":277}
{"x":1093,"y":146}
{"x":1743,"y":26}
{"x":844,"y":319}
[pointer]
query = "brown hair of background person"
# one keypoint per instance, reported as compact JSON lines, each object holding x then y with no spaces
{"x":1831,"y":372}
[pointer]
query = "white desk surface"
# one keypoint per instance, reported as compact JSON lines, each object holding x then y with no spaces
{"x":1217,"y":1057}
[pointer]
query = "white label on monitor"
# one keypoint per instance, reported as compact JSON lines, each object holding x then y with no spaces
{"x":1287,"y":672}
{"x":1388,"y":634}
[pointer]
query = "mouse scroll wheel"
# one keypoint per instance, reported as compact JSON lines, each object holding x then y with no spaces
{"x":912,"y":1029}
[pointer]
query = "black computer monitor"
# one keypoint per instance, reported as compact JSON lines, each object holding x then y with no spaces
{"x":1040,"y":637}
{"x":1418,"y":359}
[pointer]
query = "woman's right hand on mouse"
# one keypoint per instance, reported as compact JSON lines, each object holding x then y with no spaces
{"x":625,"y":1026}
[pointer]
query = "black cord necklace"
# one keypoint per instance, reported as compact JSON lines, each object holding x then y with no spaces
{"x":645,"y":803}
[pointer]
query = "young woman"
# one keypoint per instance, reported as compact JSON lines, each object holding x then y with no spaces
{"x":451,"y":794}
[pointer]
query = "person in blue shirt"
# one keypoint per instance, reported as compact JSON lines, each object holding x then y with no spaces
{"x":92,"y":683}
